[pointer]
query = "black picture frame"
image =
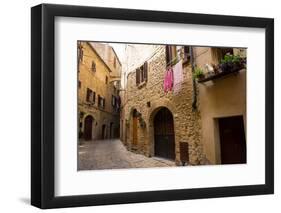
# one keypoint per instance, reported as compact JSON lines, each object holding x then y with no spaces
{"x":43,"y":105}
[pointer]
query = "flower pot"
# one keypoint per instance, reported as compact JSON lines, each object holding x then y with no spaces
{"x":200,"y":77}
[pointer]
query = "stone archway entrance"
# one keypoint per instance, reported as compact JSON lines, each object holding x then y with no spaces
{"x":88,"y":125}
{"x":164,"y":136}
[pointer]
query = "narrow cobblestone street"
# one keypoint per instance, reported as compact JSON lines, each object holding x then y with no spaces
{"x":111,"y":154}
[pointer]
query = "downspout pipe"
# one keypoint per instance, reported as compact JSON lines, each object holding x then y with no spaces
{"x":194,"y":91}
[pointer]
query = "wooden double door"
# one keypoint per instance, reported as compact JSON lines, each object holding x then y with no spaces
{"x":164,"y":136}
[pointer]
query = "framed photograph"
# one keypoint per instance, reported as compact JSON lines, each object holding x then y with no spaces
{"x":136,"y":106}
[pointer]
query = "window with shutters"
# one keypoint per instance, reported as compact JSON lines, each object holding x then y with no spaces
{"x":94,"y":97}
{"x":93,"y":66}
{"x":142,"y":74}
{"x":137,"y":76}
{"x":186,"y":54}
{"x":171,"y":55}
{"x":101,"y":102}
{"x":89,"y":95}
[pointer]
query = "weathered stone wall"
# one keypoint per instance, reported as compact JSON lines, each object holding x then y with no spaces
{"x":96,"y":81}
{"x":187,"y":122}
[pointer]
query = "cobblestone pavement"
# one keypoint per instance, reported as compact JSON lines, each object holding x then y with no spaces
{"x":112,"y":154}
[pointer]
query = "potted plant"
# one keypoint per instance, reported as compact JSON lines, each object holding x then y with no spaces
{"x":230,"y":63}
{"x":198,"y":73}
{"x":237,"y":62}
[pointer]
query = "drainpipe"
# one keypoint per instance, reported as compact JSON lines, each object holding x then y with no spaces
{"x":194,"y":92}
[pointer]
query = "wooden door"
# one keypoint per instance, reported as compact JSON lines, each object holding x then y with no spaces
{"x":103,"y":131}
{"x":232,"y":140}
{"x":135,"y":130}
{"x":88,"y":124}
{"x":111,"y":133}
{"x":164,"y":136}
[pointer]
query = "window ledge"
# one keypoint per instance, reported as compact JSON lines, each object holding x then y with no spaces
{"x":140,"y":85}
{"x":218,"y":75}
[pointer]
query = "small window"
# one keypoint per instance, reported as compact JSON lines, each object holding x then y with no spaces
{"x":145,"y":70}
{"x":88,"y":95}
{"x":94,"y":97}
{"x":114,"y":62}
{"x":91,"y":96}
{"x":101,"y":102}
{"x":93,"y":66}
{"x":141,"y":73}
{"x":171,"y":55}
{"x":137,"y":76}
{"x":186,"y":56}
{"x":106,"y":79}
{"x":79,"y":84}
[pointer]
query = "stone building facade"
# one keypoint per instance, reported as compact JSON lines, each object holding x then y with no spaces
{"x":98,"y":92}
{"x":223,"y":110}
{"x":148,"y":98}
{"x":149,"y":114}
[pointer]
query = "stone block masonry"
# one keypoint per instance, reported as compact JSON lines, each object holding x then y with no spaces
{"x":148,"y":98}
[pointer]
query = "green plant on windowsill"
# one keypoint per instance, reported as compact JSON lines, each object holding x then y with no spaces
{"x":198,"y":73}
{"x":231,"y":62}
{"x":228,"y":58}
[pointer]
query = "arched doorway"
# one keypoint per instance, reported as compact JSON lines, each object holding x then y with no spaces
{"x":111,"y":135}
{"x":103,"y":131}
{"x":88,"y":125}
{"x":164,"y":136}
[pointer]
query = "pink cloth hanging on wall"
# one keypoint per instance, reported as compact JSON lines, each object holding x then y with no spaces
{"x":168,"y":80}
{"x":178,"y":77}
